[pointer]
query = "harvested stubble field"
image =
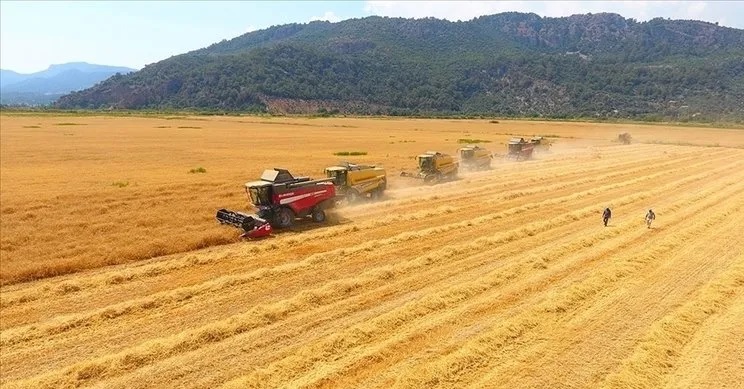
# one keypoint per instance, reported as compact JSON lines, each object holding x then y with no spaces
{"x":115,"y":274}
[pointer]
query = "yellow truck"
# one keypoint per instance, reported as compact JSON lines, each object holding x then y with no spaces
{"x":474,"y":157}
{"x":354,"y":181}
{"x":434,"y":167}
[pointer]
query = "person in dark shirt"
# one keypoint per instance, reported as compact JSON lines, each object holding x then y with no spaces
{"x":606,"y":215}
{"x":650,"y":217}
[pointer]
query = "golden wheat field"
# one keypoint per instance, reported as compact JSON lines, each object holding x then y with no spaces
{"x":115,"y":274}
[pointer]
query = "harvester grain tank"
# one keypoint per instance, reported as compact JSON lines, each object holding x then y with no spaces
{"x":474,"y":157}
{"x":520,"y":149}
{"x":355,"y":181}
{"x":434,"y":167}
{"x":279,"y":199}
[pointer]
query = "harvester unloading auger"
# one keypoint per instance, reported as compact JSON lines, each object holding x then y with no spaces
{"x":279,"y":199}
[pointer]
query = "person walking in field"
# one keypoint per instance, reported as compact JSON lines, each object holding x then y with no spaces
{"x":606,"y":215}
{"x":650,"y":217}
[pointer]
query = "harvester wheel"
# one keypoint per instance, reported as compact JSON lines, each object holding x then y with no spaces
{"x":284,"y":217}
{"x":376,"y":194}
{"x":352,"y":197}
{"x":318,"y":215}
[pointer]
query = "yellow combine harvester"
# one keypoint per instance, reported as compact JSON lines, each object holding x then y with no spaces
{"x":474,"y":157}
{"x":434,"y":167}
{"x":355,"y":181}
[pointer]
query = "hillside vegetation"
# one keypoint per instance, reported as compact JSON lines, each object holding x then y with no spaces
{"x":510,"y":64}
{"x":46,"y":86}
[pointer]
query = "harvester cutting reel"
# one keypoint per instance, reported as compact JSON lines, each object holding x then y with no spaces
{"x":254,"y":226}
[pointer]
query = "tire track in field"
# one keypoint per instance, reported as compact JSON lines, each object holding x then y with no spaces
{"x":657,"y":355}
{"x":592,"y":249}
{"x":579,"y":347}
{"x":275,"y":341}
{"x":476,"y":355}
{"x":157,"y":270}
{"x":714,"y":353}
{"x":342,"y":344}
{"x":393,"y":353}
{"x":179,"y":295}
{"x":421,"y":215}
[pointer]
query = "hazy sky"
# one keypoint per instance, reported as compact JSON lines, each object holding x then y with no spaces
{"x":35,"y":34}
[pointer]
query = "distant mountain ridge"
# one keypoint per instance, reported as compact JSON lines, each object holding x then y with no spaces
{"x":509,"y":64}
{"x":46,"y":86}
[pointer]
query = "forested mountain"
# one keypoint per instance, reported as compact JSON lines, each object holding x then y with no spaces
{"x":510,"y":64}
{"x":47,"y":85}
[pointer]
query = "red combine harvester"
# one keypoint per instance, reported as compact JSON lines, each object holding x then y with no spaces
{"x":520,"y":149}
{"x":279,"y":199}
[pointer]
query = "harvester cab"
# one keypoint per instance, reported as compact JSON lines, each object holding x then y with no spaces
{"x":426,"y":163}
{"x":474,"y":157}
{"x":434,"y":166}
{"x":339,"y":174}
{"x":279,"y":199}
{"x":354,"y":181}
{"x":259,"y":192}
{"x":520,"y":149}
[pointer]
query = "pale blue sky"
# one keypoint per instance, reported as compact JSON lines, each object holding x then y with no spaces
{"x":35,"y":34}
